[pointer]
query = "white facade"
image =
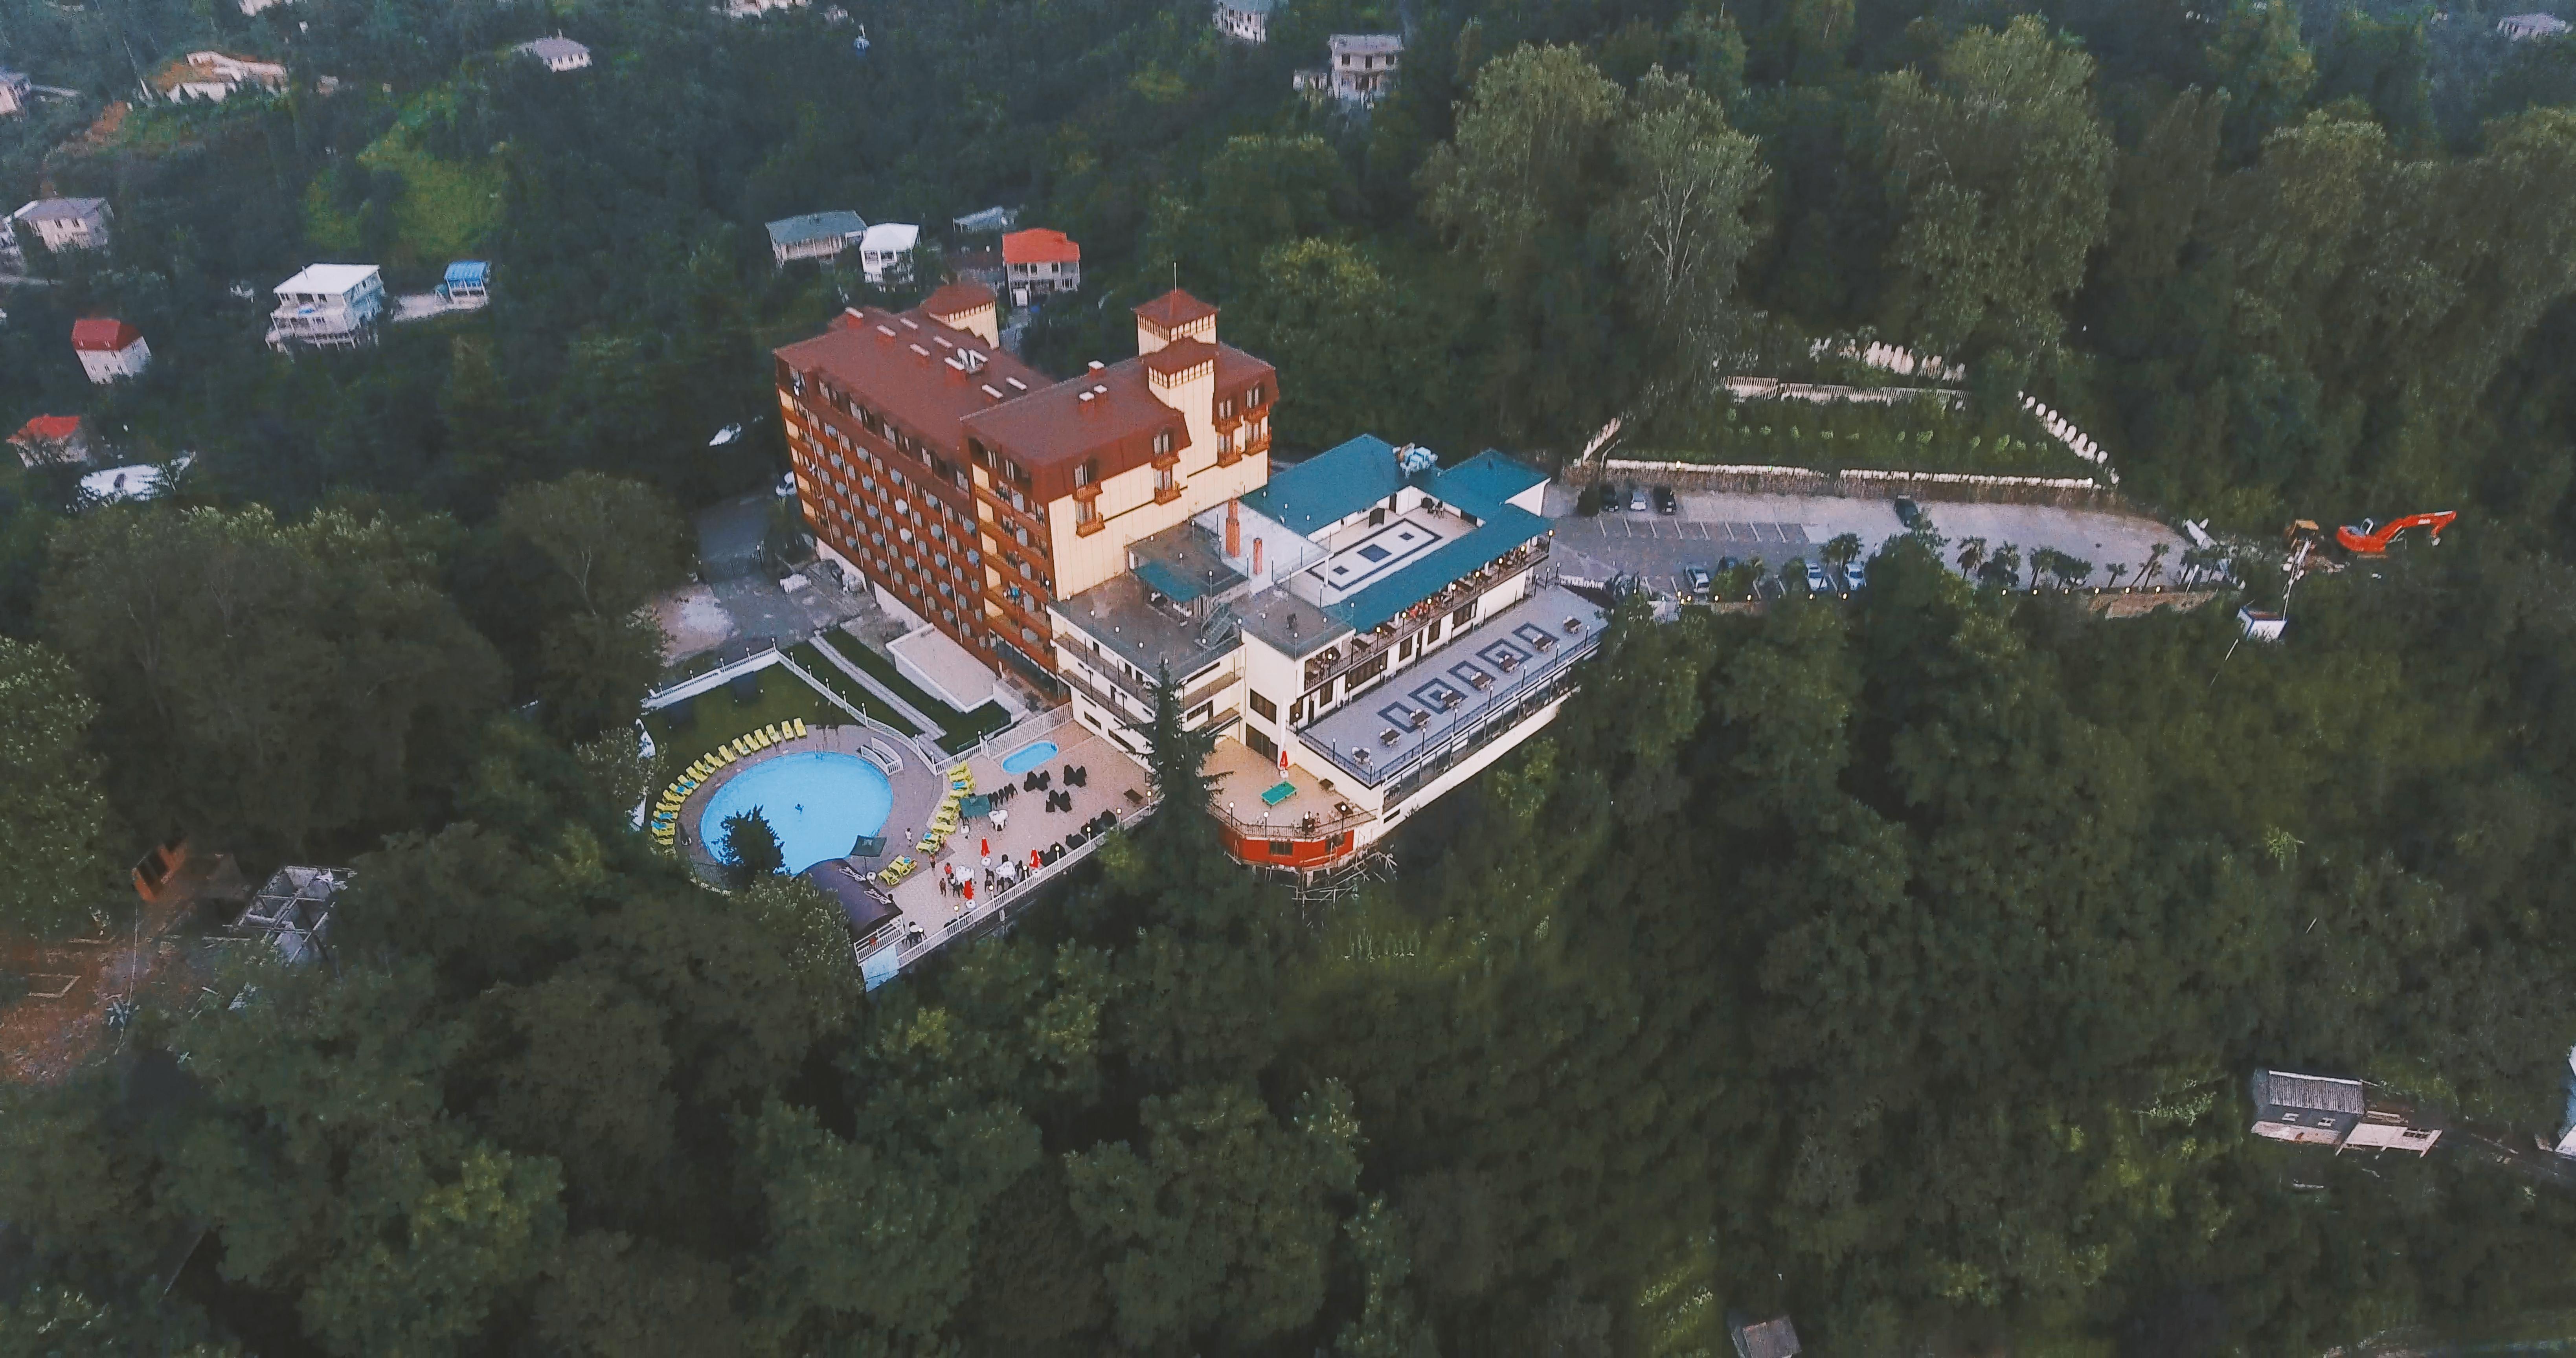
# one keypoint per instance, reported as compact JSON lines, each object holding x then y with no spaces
{"x":256,"y":6}
{"x":14,"y":94}
{"x":1363,"y":65}
{"x":115,"y":365}
{"x":1244,"y":20}
{"x":1377,"y":658}
{"x":885,"y":252}
{"x":67,"y":223}
{"x":2519,"y":27}
{"x":334,"y":306}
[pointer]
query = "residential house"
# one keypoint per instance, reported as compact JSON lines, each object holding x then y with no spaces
{"x":67,"y":223}
{"x":327,"y":306}
{"x":212,"y":77}
{"x":885,"y":253}
{"x":1040,"y":263}
{"x":753,"y":9}
{"x":53,"y":441}
{"x":1244,"y":20}
{"x":1773,"y":1338}
{"x":2328,"y":1110}
{"x":1363,"y":65}
{"x":558,"y":53}
{"x":109,"y":349}
{"x":14,"y":91}
{"x":253,"y":7}
{"x":816,"y":235}
{"x":467,"y":284}
{"x":991,"y":221}
{"x":2519,"y":27}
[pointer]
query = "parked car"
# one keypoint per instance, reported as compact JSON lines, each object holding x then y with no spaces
{"x":1816,"y":581}
{"x":1908,"y":513}
{"x":1636,"y":498}
{"x":1855,"y":575}
{"x":1699,"y":580}
{"x":1665,"y":503}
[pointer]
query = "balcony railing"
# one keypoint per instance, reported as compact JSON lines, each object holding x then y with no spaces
{"x":1342,"y":657}
{"x":1467,"y":727}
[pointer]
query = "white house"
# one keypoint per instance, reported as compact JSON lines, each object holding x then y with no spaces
{"x":1363,"y":65}
{"x":67,"y":223}
{"x":14,"y":88}
{"x":1244,"y":20}
{"x":109,"y":349}
{"x":1041,"y":262}
{"x":558,"y":53}
{"x":753,"y":9}
{"x":885,"y":252}
{"x":328,"y":306}
{"x":213,"y":77}
{"x":2521,"y":26}
{"x":249,"y":7}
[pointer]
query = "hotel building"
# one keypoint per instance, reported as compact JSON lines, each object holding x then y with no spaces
{"x":1360,"y":632}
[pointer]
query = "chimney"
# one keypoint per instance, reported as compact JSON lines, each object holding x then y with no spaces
{"x":1256,"y":556}
{"x":1233,"y":530}
{"x":1096,"y":365}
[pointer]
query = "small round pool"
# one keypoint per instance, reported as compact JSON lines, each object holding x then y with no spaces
{"x":818,"y":803}
{"x":1028,"y":757}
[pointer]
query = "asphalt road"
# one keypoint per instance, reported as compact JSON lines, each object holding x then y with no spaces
{"x":1779,"y":528}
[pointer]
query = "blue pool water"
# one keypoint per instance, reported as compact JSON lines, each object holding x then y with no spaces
{"x":818,"y":803}
{"x":1028,"y":757}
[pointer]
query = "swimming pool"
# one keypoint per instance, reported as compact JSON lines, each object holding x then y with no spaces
{"x":818,"y":803}
{"x":1028,"y":757}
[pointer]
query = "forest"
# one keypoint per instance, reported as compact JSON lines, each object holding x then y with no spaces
{"x":1895,"y":965}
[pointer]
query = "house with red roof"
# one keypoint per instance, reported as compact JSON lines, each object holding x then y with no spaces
{"x":109,"y":349}
{"x":52,"y":441}
{"x":1041,"y":263}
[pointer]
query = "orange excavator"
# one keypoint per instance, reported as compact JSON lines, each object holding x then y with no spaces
{"x":2372,"y":538}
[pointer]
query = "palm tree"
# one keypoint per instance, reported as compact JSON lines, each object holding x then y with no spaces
{"x":2118,"y":569}
{"x":1840,"y":551}
{"x":1972,"y":553}
{"x":2155,"y":562}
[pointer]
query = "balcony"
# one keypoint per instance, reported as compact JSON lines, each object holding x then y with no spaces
{"x":1333,"y":661}
{"x":1167,"y":492}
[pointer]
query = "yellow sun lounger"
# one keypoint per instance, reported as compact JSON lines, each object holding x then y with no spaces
{"x":800,"y":726}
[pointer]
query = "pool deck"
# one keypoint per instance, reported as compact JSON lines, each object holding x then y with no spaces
{"x":1031,"y":826}
{"x":921,"y":785}
{"x":917,"y":786}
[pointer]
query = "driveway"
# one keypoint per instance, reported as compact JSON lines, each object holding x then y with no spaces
{"x":1777,"y":528}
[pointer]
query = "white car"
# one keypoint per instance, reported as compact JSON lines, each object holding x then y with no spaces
{"x":1856,"y":575}
{"x":1816,"y":581}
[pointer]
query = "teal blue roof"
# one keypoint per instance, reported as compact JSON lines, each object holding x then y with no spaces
{"x":1330,"y":486}
{"x":1169,"y":583}
{"x":1334,"y":485}
{"x":467,"y":271}
{"x":1501,"y":531}
{"x":1485,"y":483}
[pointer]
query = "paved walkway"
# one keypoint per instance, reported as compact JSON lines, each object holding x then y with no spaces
{"x":1029,"y":825}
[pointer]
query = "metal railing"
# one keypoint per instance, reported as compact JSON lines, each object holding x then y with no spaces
{"x":1463,"y":724}
{"x":721,"y":671}
{"x":1361,"y":648}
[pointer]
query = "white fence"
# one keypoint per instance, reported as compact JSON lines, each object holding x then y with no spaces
{"x":715,"y":678}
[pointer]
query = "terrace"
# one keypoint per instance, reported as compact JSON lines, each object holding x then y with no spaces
{"x":1480,"y":684}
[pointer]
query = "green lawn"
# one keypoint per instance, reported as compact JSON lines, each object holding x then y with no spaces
{"x":813,"y":662}
{"x":960,"y":729}
{"x":1917,"y":436}
{"x":718,"y":718}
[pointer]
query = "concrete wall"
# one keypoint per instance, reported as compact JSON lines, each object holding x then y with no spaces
{"x":1858,"y":483}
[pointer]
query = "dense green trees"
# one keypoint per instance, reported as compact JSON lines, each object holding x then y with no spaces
{"x":56,"y":828}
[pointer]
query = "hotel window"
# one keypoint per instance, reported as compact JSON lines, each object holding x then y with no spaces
{"x":1163,"y":480}
{"x":1163,"y":442}
{"x":1088,"y":472}
{"x":1225,"y":409}
{"x":1269,"y":710}
{"x":1086,"y":512}
{"x":1252,"y":400}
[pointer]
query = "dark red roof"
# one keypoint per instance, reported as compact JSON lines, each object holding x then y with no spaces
{"x":1180,"y":355}
{"x":956,"y":299}
{"x":898,"y":366}
{"x":1057,"y":428}
{"x":1173,"y":310}
{"x":103,"y":335}
{"x":1040,"y":245}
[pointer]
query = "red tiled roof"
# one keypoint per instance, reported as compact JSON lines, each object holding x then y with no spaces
{"x":1173,"y":310}
{"x":1056,"y":428}
{"x":1180,"y":355}
{"x":1040,"y":245}
{"x":48,"y":429}
{"x":103,"y":335}
{"x":956,"y":299}
{"x":1236,"y":370}
{"x":895,"y":365}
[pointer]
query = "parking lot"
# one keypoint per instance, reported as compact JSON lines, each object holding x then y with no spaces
{"x":1776,"y":529}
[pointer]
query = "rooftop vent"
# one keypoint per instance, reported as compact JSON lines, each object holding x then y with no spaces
{"x":1016,"y":384}
{"x":992,"y":391}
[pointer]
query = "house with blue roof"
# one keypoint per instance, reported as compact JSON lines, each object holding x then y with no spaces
{"x":468,"y":284}
{"x":1362,"y":633}
{"x":815,"y":235}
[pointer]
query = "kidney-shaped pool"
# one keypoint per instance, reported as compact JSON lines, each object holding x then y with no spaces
{"x":819,"y":804}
